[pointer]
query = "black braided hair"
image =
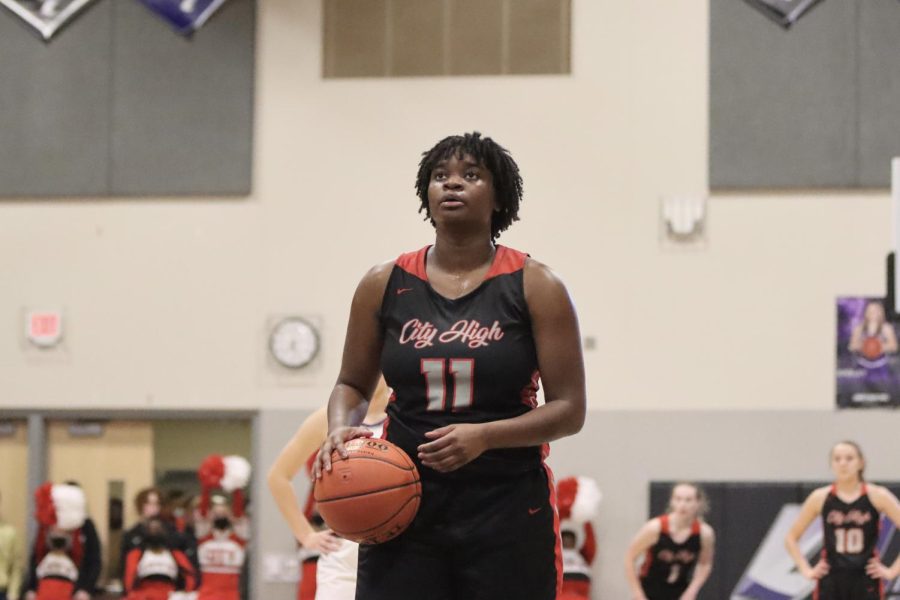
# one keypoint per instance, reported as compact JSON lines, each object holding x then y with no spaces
{"x":488,"y":153}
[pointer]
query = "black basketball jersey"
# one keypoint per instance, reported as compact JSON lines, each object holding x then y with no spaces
{"x":668,"y":565}
{"x":466,"y":360}
{"x":851,"y":530}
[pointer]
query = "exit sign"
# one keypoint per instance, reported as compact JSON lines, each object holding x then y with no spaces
{"x":43,"y":328}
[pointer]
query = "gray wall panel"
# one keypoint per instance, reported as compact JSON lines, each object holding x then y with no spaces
{"x":879,"y":86}
{"x":183,"y":115}
{"x":782,"y":103}
{"x":55,"y":100}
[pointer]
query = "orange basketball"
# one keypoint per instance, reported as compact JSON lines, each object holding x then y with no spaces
{"x":372,"y":495}
{"x":871,"y":348}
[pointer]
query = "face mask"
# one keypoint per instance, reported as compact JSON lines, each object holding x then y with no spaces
{"x":58,"y":542}
{"x":155,"y":540}
{"x":222,"y":523}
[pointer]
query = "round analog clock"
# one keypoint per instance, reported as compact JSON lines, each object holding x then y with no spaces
{"x":294,"y":342}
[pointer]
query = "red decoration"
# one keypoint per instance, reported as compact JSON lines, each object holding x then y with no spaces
{"x":44,"y":511}
{"x":210,"y":474}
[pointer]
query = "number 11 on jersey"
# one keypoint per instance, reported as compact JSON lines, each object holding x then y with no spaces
{"x":435,"y":372}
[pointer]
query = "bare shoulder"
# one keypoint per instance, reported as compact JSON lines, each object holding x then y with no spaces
{"x":653,"y":526}
{"x":880,"y":495}
{"x":817,"y":497}
{"x":542,"y":285}
{"x":371,"y":286}
{"x":707,"y":532}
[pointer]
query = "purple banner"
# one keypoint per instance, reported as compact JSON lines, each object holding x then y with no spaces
{"x":185,"y":16}
{"x":868,"y":367}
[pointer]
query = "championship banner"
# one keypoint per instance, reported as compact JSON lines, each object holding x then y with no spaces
{"x":46,"y":16}
{"x":868,"y":366}
{"x":185,"y":16}
{"x":783,"y":12}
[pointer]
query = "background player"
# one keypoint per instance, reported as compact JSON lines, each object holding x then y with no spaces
{"x":678,"y":550}
{"x":849,"y":568}
{"x":462,"y":329}
{"x":336,"y":567}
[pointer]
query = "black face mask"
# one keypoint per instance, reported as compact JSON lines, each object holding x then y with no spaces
{"x":222,"y":523}
{"x":155,"y":540}
{"x":58,"y":542}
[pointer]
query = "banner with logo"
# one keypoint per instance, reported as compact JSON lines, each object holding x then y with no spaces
{"x":783,"y":12}
{"x":185,"y":16}
{"x":46,"y":17}
{"x":868,"y":365}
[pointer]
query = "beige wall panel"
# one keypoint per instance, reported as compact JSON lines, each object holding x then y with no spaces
{"x":358,"y":36}
{"x":475,"y":40}
{"x":124,"y":452}
{"x":538,"y":36}
{"x":417,"y":37}
{"x":16,"y":503}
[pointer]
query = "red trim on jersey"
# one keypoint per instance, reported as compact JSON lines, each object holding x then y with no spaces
{"x":558,"y":546}
{"x":414,"y":263}
{"x":695,"y":527}
{"x":664,"y":524}
{"x":528,"y":395}
{"x":506,"y":261}
{"x":648,"y":560}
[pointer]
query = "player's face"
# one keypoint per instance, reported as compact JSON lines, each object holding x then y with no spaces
{"x":874,"y":313}
{"x":461,"y":190}
{"x":846,"y":463}
{"x":685,"y":501}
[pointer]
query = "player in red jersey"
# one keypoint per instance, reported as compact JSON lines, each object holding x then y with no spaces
{"x":849,"y":567}
{"x":463,"y":330}
{"x":677,"y":547}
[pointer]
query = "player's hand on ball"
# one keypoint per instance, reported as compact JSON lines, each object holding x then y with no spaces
{"x":324,"y":541}
{"x":818,"y":572}
{"x":877,"y":570}
{"x":335,"y":441}
{"x":452,"y":447}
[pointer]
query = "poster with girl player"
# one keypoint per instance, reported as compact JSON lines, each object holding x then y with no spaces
{"x":868,"y":366}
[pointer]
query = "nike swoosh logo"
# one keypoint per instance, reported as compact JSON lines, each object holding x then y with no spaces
{"x":403,"y":290}
{"x":533,"y":511}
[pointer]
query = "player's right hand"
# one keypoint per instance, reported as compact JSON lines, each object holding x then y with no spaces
{"x":335,"y":441}
{"x":817,"y":572}
{"x":324,"y":541}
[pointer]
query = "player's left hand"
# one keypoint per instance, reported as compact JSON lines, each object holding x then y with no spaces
{"x":452,"y":447}
{"x":877,"y":570}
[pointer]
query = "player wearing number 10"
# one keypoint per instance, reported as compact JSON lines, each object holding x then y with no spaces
{"x":462,"y":331}
{"x":849,"y":568}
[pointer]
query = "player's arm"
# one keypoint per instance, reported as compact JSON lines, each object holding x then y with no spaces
{"x":643,"y":540}
{"x":811,"y":509}
{"x":704,"y":562}
{"x":561,"y":365}
{"x":890,"y":338}
{"x":360,"y":367}
{"x":290,"y":461}
{"x":886,"y":503}
{"x":856,"y":336}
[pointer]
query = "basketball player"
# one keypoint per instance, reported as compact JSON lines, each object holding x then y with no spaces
{"x":462,"y":330}
{"x":335,"y":574}
{"x":873,"y":339}
{"x":850,"y":508}
{"x":677,"y":548}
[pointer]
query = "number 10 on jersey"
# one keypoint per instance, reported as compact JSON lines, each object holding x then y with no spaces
{"x":461,"y":371}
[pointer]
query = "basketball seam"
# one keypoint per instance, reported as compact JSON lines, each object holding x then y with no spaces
{"x":411,"y":466}
{"x":417,"y":497}
{"x":379,"y":490}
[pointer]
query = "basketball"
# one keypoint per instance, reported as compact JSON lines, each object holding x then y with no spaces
{"x":372,"y":495}
{"x":871,"y":348}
